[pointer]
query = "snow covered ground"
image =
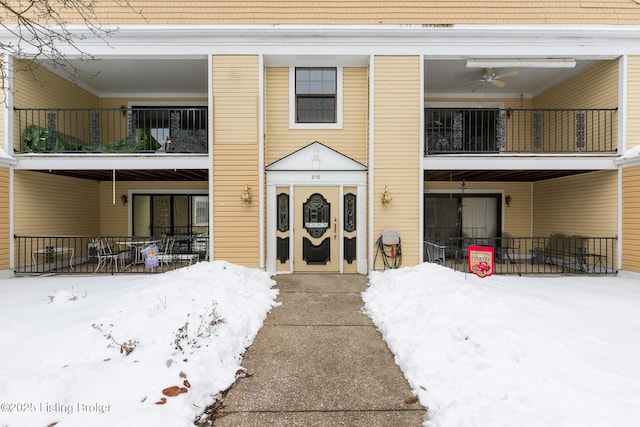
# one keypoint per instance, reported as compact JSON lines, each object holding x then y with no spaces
{"x":513,"y":351}
{"x":99,"y":350}
{"x":494,"y":352}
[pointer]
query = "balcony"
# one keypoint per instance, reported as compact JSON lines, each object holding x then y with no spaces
{"x":527,"y":131}
{"x":111,"y":130}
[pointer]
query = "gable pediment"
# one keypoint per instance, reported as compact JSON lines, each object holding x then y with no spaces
{"x":316,"y":157}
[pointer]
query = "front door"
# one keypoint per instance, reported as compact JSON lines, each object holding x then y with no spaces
{"x":316,"y":229}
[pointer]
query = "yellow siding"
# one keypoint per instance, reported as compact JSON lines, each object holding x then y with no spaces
{"x":236,"y":228}
{"x":397,"y":150}
{"x":433,"y":12}
{"x":631,"y":218}
{"x":40,"y":88}
{"x":633,"y":102}
{"x":4,"y":218}
{"x":517,"y":216}
{"x":114,"y":217}
{"x":351,"y":140}
{"x":601,"y":79}
{"x":52,"y":205}
{"x":235,"y":158}
{"x":584,"y":204}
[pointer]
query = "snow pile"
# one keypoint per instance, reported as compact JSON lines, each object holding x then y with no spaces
{"x":99,"y":350}
{"x":513,"y":351}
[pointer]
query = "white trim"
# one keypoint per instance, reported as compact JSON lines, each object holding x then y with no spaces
{"x":112,"y":161}
{"x":623,"y":65}
{"x":261,"y":165}
{"x":292,"y":102}
{"x":12,"y":264}
{"x":341,"y":232}
{"x":316,"y":60}
{"x":620,"y":229}
{"x":517,"y":162}
{"x":468,"y":39}
{"x":7,"y":65}
{"x":371,"y":142}
{"x":293,"y":179}
{"x":421,"y":157}
{"x":361,"y":226}
{"x":210,"y":154}
{"x":271,"y":226}
{"x":292,"y":232}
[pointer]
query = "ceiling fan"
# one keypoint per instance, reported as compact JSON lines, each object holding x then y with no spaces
{"x":490,"y":76}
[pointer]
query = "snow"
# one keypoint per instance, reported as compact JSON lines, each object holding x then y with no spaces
{"x":499,"y":351}
{"x":61,"y":358}
{"x":513,"y":351}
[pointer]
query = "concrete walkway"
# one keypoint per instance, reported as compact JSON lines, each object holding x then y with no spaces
{"x":318,"y":361}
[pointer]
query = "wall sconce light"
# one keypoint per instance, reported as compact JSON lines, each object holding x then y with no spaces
{"x":507,"y":200}
{"x":386,"y":196}
{"x":246,"y":196}
{"x":125,"y":199}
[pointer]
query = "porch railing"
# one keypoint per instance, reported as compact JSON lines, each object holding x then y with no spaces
{"x":520,"y":130}
{"x":556,"y":254}
{"x":105,"y":254}
{"x":110,"y":130}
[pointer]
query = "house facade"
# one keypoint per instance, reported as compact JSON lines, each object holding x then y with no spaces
{"x":291,"y":136}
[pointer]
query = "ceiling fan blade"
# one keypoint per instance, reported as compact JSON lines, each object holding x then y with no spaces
{"x":507,"y":74}
{"x":477,"y":87}
{"x":498,"y":83}
{"x":473,"y":81}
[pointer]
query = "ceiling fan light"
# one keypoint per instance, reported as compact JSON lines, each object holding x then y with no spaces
{"x":521,"y":63}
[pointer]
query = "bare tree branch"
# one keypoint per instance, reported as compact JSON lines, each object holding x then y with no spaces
{"x":38,"y":30}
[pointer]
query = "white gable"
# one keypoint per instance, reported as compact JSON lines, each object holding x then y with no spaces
{"x":316,"y":157}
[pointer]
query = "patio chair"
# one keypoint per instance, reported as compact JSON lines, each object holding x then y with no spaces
{"x":165,"y":250}
{"x":106,"y":254}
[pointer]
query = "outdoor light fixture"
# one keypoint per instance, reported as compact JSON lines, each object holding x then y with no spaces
{"x":125,"y":199}
{"x":246,"y":196}
{"x":386,"y":196}
{"x":521,"y":63}
{"x":507,"y":200}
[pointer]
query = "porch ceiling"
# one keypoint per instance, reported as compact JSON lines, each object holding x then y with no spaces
{"x":137,"y":175}
{"x":498,"y":175}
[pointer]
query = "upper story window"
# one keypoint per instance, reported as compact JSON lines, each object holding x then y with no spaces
{"x":316,"y":97}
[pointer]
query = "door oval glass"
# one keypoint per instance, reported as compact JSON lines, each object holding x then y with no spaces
{"x":316,"y":212}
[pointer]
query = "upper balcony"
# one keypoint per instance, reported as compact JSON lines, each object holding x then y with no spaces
{"x":111,"y":130}
{"x":521,"y":131}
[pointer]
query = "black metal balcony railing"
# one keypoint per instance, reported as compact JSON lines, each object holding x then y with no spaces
{"x":105,"y":254}
{"x":111,"y":130}
{"x":485,"y":131}
{"x":556,"y":254}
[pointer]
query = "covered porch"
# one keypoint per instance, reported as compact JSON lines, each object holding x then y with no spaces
{"x":538,"y":221}
{"x":102,"y":221}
